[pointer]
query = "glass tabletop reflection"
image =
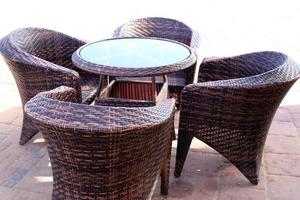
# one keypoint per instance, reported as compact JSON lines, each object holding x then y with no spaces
{"x":134,"y":52}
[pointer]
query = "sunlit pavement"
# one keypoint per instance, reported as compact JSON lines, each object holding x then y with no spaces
{"x":227,"y":28}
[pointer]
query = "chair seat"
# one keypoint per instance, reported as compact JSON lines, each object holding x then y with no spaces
{"x":89,"y":84}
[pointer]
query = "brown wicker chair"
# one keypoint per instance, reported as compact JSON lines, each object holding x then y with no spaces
{"x":102,"y":152}
{"x":169,"y":29}
{"x":232,"y":107}
{"x":40,"y":60}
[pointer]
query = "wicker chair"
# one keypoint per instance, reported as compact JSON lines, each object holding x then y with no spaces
{"x":102,"y":152}
{"x":169,"y":29}
{"x":232,"y":106}
{"x":40,"y":60}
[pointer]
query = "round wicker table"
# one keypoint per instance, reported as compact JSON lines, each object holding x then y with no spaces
{"x":135,"y":57}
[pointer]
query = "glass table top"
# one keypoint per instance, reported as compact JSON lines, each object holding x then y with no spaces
{"x":134,"y":52}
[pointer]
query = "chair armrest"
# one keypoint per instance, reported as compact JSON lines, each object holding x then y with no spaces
{"x":62,"y":93}
{"x":46,"y":107}
{"x":62,"y":76}
{"x":215,"y":68}
{"x":241,"y":66}
{"x":231,"y":102}
{"x":55,"y":76}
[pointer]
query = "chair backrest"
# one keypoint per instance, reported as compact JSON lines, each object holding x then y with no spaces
{"x":40,"y":59}
{"x":259,"y":67}
{"x":233,"y":104}
{"x":102,"y":151}
{"x":251,"y":85}
{"x":49,"y":45}
{"x":159,"y":27}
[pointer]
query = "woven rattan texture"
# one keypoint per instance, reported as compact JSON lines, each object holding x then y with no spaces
{"x":232,"y":106}
{"x":101,"y":152}
{"x":161,"y":28}
{"x":40,"y":60}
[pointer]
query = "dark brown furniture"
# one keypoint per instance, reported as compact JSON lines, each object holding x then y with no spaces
{"x":40,"y":60}
{"x":134,"y":57}
{"x":170,"y":29}
{"x":232,"y":106}
{"x":102,"y":152}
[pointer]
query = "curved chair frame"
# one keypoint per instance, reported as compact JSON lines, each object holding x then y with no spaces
{"x":40,"y":60}
{"x":102,"y":152}
{"x":232,"y":107}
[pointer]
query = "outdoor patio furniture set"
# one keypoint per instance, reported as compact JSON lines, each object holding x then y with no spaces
{"x":116,"y":147}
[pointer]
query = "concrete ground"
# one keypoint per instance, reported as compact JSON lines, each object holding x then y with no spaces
{"x":227,"y":28}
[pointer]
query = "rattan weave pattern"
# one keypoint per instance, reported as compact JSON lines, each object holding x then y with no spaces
{"x":112,"y":101}
{"x":102,"y":152}
{"x":161,"y":28}
{"x":232,"y":106}
{"x":40,"y":60}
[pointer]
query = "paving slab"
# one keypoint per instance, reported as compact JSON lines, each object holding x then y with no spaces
{"x":282,"y":164}
{"x":282,"y":145}
{"x":283,"y":115}
{"x":283,"y":128}
{"x":37,"y":180}
{"x":283,"y":187}
{"x":242,"y":193}
{"x":231,"y":178}
{"x":190,"y":187}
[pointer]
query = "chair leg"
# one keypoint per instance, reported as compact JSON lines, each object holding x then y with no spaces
{"x":183,"y":146}
{"x":175,"y":92}
{"x":250,"y":169}
{"x":28,"y":130}
{"x":253,"y":180}
{"x":164,"y":187}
